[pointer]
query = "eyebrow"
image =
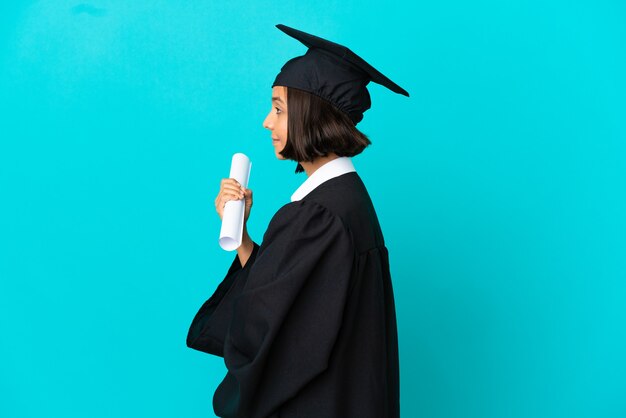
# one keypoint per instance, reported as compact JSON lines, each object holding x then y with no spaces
{"x":278,"y":99}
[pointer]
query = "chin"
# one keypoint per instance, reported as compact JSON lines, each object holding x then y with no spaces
{"x":277,"y":153}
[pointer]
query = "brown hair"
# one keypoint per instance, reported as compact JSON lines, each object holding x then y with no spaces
{"x":315,"y":127}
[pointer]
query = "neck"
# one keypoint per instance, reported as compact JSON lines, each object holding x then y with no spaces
{"x":310,"y":168}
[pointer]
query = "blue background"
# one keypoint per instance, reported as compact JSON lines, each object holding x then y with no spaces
{"x":500,"y":185}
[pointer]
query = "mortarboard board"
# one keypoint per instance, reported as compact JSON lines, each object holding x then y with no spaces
{"x":332,"y":72}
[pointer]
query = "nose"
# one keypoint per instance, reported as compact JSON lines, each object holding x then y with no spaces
{"x":268,"y":123}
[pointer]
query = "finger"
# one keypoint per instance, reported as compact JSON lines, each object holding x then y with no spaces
{"x":230,"y":181}
{"x":231,"y":196}
{"x":233,"y":189}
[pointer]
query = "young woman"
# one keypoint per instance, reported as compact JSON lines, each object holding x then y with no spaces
{"x":306,"y":321}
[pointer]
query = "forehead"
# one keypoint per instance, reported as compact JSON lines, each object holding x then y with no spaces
{"x":279,"y":92}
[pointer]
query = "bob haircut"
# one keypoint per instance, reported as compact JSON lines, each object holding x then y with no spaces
{"x":315,"y":127}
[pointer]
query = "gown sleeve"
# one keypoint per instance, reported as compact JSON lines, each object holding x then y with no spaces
{"x":208,"y":328}
{"x":288,"y":316}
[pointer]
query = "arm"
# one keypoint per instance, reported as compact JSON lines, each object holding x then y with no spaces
{"x":208,"y":328}
{"x":246,"y":247}
{"x":207,"y":331}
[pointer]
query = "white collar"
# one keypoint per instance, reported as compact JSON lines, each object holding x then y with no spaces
{"x":331,"y":169}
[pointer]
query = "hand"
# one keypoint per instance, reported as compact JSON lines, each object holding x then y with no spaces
{"x":231,"y":189}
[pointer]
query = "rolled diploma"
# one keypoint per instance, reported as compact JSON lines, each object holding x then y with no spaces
{"x":234,"y":210}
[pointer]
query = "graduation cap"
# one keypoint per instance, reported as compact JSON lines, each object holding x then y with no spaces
{"x":332,"y":72}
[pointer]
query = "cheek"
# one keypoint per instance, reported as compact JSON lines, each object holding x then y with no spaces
{"x":282,"y":125}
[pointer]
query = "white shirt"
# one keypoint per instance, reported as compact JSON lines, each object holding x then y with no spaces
{"x":332,"y":169}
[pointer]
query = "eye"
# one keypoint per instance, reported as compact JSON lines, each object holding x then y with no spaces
{"x":277,"y":110}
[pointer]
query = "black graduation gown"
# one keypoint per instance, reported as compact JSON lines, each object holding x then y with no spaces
{"x":307,"y":327}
